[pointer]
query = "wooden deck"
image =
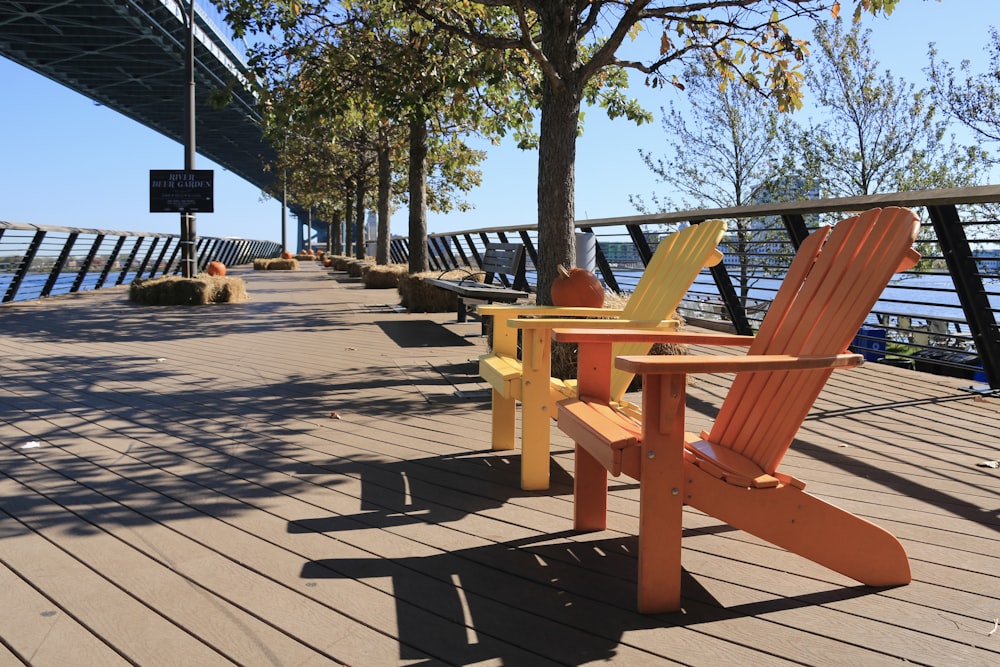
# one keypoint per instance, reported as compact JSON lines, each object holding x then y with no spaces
{"x":294,"y":481}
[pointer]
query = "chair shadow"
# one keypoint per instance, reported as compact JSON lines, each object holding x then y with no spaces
{"x":548,"y":598}
{"x":561,"y":596}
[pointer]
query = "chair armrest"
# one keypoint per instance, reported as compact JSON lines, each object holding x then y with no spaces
{"x":645,"y":335}
{"x":501,"y":312}
{"x":586,"y":325}
{"x":666,"y":365}
{"x":504,"y":337}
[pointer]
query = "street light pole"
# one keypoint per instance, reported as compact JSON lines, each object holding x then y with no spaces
{"x":188,"y":233}
{"x":284,"y":211}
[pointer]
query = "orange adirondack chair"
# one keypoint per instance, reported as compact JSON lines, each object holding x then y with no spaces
{"x":731,"y":472}
{"x":527,"y":379}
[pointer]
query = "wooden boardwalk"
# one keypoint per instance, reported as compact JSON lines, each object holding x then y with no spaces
{"x":306,"y":479}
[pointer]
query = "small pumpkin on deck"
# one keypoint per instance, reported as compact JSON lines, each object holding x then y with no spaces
{"x":216,"y":268}
{"x":286,"y":254}
{"x":577,"y":288}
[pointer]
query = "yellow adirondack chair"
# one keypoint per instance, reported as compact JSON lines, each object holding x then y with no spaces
{"x":671,"y":271}
{"x":731,"y":472}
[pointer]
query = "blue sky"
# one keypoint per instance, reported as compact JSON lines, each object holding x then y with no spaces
{"x":66,"y":161}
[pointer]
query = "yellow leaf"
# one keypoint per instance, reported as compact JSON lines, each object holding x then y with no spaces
{"x":835,"y":10}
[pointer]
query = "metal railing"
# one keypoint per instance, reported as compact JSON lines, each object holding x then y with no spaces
{"x":939,"y":317}
{"x":38,"y":261}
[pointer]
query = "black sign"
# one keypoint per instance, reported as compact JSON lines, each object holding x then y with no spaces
{"x":181,"y":191}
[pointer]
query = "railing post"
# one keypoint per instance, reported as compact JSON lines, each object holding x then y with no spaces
{"x":128,"y":262}
{"x":969,"y":286}
{"x":169,"y":268}
{"x":110,"y":262}
{"x":795,"y":225}
{"x":87,"y":263}
{"x":60,"y":263}
{"x":149,"y":255}
{"x":737,"y":313}
{"x":159,"y":266}
{"x":434,"y":255}
{"x":22,"y":270}
{"x":529,"y":248}
{"x":640,"y":243}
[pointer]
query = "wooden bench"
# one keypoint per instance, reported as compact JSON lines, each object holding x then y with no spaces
{"x":503,"y":262}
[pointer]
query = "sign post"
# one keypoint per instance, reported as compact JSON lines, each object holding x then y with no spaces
{"x":181,"y":190}
{"x":184,"y":191}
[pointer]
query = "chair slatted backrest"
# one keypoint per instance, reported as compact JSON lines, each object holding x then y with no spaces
{"x":674,"y":266}
{"x":824,"y":299}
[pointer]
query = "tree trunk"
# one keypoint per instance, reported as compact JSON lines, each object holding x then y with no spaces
{"x":418,"y":195}
{"x":560,"y":117}
{"x":337,"y":236}
{"x":348,"y":215}
{"x":359,"y":215}
{"x":384,"y":191}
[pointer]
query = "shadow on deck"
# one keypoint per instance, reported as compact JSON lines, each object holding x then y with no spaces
{"x":307,"y":478}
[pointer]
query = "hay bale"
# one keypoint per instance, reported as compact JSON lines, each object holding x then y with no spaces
{"x":419,"y":297}
{"x":178,"y":291}
{"x":355,"y":267}
{"x":276,"y":264}
{"x":226,"y":289}
{"x":384,"y":276}
{"x":339,"y":262}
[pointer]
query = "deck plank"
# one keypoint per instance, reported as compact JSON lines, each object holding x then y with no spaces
{"x":281,"y":482}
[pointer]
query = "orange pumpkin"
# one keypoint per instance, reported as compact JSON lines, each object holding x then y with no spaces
{"x":327,"y":262}
{"x":287,"y":254}
{"x":577,"y":288}
{"x":216,"y":269}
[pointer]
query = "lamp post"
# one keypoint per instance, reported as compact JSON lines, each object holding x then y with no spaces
{"x":188,"y":232}
{"x":284,"y":211}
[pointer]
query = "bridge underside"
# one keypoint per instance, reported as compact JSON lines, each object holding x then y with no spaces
{"x":129,"y":56}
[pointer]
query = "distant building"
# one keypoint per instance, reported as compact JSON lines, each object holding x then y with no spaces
{"x":988,"y":262}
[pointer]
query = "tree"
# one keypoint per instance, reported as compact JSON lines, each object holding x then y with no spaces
{"x":970,"y":98}
{"x":575,"y":44}
{"x":876,"y":133}
{"x":397,"y":71}
{"x":723,"y":151}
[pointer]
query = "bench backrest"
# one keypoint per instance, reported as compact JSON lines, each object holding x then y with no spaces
{"x":502,"y":260}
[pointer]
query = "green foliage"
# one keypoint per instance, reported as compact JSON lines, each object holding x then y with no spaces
{"x":723,"y":145}
{"x":350,"y":88}
{"x":575,"y":46}
{"x":972,"y":98}
{"x":877,"y":133}
{"x":723,"y":151}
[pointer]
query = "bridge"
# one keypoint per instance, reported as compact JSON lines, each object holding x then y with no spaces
{"x":128,"y":55}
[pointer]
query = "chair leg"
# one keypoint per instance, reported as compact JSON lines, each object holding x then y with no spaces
{"x":803,"y":524}
{"x":503,"y":416}
{"x":535,"y":441}
{"x":536,"y":417}
{"x":661,"y":494}
{"x":590,"y":492}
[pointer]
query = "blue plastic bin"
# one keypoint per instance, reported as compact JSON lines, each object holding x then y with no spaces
{"x":870,"y":343}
